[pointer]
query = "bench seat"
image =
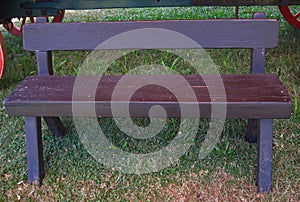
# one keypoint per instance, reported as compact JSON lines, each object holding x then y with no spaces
{"x":252,"y":96}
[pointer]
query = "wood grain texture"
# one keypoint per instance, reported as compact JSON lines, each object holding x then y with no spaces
{"x":246,"y":33}
{"x":247,"y":96}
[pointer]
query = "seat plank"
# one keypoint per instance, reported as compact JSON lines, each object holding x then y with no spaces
{"x":247,"y":96}
{"x":172,"y":34}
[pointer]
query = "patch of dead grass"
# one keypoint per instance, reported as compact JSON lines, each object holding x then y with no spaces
{"x":221,"y":187}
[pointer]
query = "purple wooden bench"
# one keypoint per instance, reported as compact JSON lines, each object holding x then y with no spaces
{"x":258,"y":97}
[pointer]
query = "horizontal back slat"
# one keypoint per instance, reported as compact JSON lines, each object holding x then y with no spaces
{"x":229,"y":33}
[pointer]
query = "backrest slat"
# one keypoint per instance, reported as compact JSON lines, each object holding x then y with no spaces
{"x":227,"y":33}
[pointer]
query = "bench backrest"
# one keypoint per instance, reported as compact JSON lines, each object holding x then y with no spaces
{"x":250,"y":33}
{"x":256,"y":34}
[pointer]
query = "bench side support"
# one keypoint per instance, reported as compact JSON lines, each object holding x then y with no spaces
{"x":34,"y":150}
{"x":257,"y":67}
{"x":56,"y":126}
{"x":45,"y":67}
{"x":264,"y":149}
{"x":44,"y":62}
{"x":252,"y":130}
{"x":258,"y":61}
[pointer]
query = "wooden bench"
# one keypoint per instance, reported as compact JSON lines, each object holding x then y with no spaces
{"x":258,"y":97}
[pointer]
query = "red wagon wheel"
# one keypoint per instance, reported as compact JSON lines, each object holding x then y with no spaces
{"x":3,"y":55}
{"x":17,"y":30}
{"x":293,"y":19}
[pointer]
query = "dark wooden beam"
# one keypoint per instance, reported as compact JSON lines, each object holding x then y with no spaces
{"x":247,"y":96}
{"x":260,"y":33}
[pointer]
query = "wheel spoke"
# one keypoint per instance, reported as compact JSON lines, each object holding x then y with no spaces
{"x":1,"y":61}
{"x":290,"y":17}
{"x":3,"y":55}
{"x":32,"y":19}
{"x":17,"y":30}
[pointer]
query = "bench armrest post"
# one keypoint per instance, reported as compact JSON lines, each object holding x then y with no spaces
{"x":258,"y":55}
{"x":257,"y":66}
{"x":45,"y":67}
{"x":44,"y":58}
{"x":44,"y":62}
{"x":258,"y":61}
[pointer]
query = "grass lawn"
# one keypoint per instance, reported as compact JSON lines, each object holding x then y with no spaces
{"x":226,"y":174}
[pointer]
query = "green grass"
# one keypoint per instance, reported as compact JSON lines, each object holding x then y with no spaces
{"x":226,"y":174}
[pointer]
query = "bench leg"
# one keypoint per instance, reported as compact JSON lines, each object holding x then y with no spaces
{"x":55,"y":125}
{"x":264,"y":149}
{"x":34,"y":150}
{"x":252,"y":130}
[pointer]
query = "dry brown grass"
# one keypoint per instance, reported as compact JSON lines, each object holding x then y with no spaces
{"x":222,"y":187}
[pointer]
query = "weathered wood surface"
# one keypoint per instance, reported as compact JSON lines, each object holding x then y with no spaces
{"x":228,"y":33}
{"x":247,"y":96}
